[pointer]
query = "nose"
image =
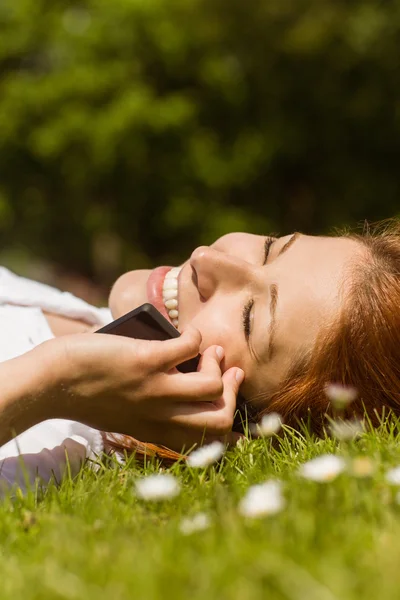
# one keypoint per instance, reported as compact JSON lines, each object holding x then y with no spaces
{"x":215,"y":270}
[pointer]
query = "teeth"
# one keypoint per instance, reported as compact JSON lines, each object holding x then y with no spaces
{"x":173,"y":273}
{"x":170,"y":284}
{"x":170,"y":294}
{"x":170,"y":304}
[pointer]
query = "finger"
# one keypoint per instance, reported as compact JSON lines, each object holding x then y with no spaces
{"x":210,"y":362}
{"x":170,"y":353}
{"x":214,"y":418}
{"x":206,"y":384}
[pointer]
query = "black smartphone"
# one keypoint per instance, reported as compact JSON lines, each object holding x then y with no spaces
{"x":147,"y":323}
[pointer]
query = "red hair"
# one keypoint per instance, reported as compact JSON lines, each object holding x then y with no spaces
{"x":126,"y":444}
{"x":361,"y":349}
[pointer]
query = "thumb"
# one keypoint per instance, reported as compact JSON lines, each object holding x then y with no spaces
{"x":178,"y":350}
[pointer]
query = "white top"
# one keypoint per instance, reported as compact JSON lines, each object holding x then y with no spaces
{"x":50,"y":448}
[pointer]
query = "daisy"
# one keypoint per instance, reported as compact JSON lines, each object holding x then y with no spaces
{"x":270,"y":424}
{"x":206,"y":456}
{"x":339,"y":395}
{"x":323,"y":468}
{"x":393,"y":476}
{"x":162,"y":486}
{"x":198,"y":522}
{"x":262,"y":499}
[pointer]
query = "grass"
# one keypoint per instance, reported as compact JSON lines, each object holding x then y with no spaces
{"x":93,"y":538}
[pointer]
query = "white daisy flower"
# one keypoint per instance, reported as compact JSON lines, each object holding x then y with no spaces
{"x":162,"y":486}
{"x":346,"y":430}
{"x":262,"y":499}
{"x":393,"y":476}
{"x":323,"y":468}
{"x":270,"y":424}
{"x":198,"y":522}
{"x":340,"y":395}
{"x":206,"y":455}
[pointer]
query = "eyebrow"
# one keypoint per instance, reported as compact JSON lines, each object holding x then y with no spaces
{"x":292,"y":240}
{"x":274,"y":299}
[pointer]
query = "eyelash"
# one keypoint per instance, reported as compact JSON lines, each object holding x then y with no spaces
{"x":267,"y":247}
{"x":247,"y":308}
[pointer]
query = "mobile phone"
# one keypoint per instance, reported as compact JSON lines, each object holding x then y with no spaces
{"x":147,"y":323}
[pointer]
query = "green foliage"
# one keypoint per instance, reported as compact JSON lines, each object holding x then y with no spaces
{"x":133,"y":130}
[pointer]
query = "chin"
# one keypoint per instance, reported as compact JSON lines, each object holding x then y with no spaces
{"x":128,"y":292}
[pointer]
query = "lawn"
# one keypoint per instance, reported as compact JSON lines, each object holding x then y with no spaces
{"x":94,"y":538}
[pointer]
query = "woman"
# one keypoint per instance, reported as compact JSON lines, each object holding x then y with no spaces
{"x":291,"y":313}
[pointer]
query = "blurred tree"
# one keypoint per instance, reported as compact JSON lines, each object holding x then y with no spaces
{"x":132,"y":130}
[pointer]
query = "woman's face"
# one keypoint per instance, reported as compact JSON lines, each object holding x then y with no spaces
{"x":264,"y":300}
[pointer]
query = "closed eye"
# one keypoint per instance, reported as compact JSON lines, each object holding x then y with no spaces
{"x":247,"y":308}
{"x":267,"y":247}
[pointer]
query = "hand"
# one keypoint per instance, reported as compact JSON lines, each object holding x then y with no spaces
{"x":132,"y":386}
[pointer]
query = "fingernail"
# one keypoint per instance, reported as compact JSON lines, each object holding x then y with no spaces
{"x":239,"y":376}
{"x":220,"y":352}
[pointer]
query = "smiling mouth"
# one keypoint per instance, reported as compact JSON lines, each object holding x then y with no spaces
{"x":170,"y":294}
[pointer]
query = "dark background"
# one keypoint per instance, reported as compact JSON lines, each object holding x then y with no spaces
{"x":133,"y":130}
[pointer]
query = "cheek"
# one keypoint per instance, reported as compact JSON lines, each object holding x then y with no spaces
{"x":217,"y":329}
{"x":128,"y":292}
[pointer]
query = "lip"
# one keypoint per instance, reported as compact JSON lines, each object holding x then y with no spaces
{"x":154,"y":289}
